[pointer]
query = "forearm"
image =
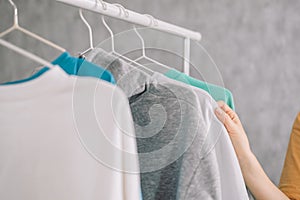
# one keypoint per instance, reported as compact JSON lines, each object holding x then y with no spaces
{"x":257,"y":181}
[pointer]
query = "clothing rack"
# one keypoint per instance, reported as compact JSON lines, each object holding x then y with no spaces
{"x":112,"y":10}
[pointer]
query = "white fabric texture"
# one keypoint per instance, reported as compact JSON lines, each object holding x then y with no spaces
{"x":217,"y":146}
{"x":66,"y":138}
{"x":208,"y":170}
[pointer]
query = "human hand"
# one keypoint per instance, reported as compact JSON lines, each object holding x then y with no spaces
{"x":255,"y":178}
{"x":235,"y":129}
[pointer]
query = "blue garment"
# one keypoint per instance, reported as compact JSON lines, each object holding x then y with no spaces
{"x":89,"y":69}
{"x":74,"y":66}
{"x":27,"y":79}
{"x":81,"y":67}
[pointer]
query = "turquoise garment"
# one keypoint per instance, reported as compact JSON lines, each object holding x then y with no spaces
{"x":74,"y":66}
{"x":81,"y":67}
{"x":91,"y":70}
{"x":218,"y":93}
{"x":28,"y":79}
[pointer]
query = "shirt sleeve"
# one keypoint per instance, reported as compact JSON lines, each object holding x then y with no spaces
{"x":231,"y":178}
{"x":290,"y":177}
{"x":218,"y":174}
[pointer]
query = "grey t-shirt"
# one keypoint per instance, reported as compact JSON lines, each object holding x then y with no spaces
{"x":176,"y":143}
{"x":173,"y":133}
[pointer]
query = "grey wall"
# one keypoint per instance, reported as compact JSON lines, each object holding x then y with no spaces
{"x":255,"y":45}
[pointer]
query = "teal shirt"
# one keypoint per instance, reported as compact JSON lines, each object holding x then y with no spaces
{"x":74,"y":66}
{"x":218,"y":93}
{"x":81,"y":67}
{"x":28,"y":79}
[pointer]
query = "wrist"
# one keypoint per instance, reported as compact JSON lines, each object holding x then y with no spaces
{"x":246,"y":158}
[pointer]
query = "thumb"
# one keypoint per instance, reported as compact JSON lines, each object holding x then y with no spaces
{"x":224,"y":118}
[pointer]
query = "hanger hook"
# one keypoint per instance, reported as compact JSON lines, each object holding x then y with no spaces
{"x":126,"y":13}
{"x":89,"y":28}
{"x":153,"y":21}
{"x":110,"y":32}
{"x":142,"y":40}
{"x":122,"y":9}
{"x":16,"y":21}
{"x":104,"y":5}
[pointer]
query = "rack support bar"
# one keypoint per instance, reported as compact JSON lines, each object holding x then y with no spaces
{"x":134,"y":17}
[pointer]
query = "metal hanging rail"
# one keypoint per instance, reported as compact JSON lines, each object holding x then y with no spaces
{"x":133,"y":17}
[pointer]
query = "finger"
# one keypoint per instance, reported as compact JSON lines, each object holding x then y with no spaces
{"x":224,"y":106}
{"x":228,"y":110}
{"x":224,"y":118}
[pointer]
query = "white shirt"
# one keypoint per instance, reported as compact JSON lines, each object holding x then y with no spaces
{"x":66,"y":138}
{"x":216,"y":153}
{"x":209,"y":168}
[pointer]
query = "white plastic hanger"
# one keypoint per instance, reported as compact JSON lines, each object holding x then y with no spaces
{"x":20,"y":50}
{"x":104,"y":7}
{"x":113,"y":52}
{"x":16,"y":26}
{"x":90,"y":34}
{"x":144,"y":56}
{"x":26,"y":53}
